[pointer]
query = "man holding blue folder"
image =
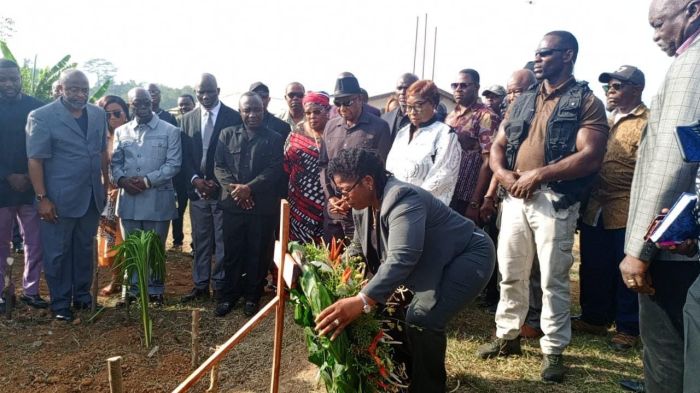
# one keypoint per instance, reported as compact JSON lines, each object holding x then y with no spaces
{"x":660,"y":177}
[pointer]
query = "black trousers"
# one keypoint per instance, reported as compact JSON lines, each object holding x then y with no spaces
{"x":691,"y":320}
{"x":181,"y":191}
{"x":248,"y":250}
{"x":661,"y":325}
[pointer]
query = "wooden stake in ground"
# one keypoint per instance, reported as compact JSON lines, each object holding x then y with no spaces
{"x":93,"y":306}
{"x":114,"y":369}
{"x":9,"y":288}
{"x":214,"y":377}
{"x":195,"y":339}
{"x":279,"y":312}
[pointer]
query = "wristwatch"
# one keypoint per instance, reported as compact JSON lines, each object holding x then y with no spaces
{"x":366,"y":308}
{"x":40,"y":197}
{"x":474,"y":205}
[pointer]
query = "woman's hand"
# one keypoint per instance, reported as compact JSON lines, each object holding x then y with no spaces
{"x":338,"y":315}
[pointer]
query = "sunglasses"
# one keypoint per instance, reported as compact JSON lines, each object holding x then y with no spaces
{"x":343,"y":103}
{"x":547,"y":52}
{"x":617,"y":86}
{"x":345,"y":193}
{"x":114,"y":114}
{"x":461,"y":85}
{"x":295,"y":95}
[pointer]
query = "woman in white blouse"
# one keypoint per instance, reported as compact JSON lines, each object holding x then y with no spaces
{"x":425,"y":152}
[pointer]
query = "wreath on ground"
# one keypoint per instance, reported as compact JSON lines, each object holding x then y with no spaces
{"x":364,"y":357}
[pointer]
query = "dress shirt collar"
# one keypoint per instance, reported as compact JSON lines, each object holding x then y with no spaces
{"x":152,"y":124}
{"x":638,"y":111}
{"x":686,"y":44}
{"x":214,"y":111}
{"x":547,"y":90}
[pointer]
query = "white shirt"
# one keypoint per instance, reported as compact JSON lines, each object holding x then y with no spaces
{"x":430,"y":161}
{"x":203,"y":118}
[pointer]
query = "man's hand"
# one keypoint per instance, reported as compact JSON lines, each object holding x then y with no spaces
{"x":689,"y":247}
{"x":488,"y":210}
{"x":635,"y":275}
{"x":130,"y":186}
{"x":47,"y":211}
{"x":506,"y":178}
{"x":204,"y":187}
{"x":239,"y":192}
{"x":19,"y":182}
{"x":526,"y":184}
{"x":338,"y":205}
{"x":246,"y":204}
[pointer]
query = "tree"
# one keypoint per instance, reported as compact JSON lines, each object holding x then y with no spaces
{"x":102,"y":69}
{"x":38,"y":82}
{"x":7,"y":28}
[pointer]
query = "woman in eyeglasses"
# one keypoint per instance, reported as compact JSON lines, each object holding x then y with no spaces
{"x":108,"y":233}
{"x":408,"y":237}
{"x":426,"y":152}
{"x":301,"y":153}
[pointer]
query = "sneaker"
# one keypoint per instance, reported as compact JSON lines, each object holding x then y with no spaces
{"x":65,"y":315}
{"x":527,"y":331}
{"x":623,"y":341}
{"x":632,"y":385}
{"x":250,"y":308}
{"x":155,"y":300}
{"x":499,"y":347}
{"x":579,"y":325}
{"x":223,"y":308}
{"x":34,"y":300}
{"x":195,"y":294}
{"x":553,"y":369}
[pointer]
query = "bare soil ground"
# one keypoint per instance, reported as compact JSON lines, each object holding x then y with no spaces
{"x":38,"y":354}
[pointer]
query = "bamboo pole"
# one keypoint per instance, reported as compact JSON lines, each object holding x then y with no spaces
{"x":195,"y":338}
{"x":226,"y":347}
{"x":114,"y":369}
{"x":279,"y":315}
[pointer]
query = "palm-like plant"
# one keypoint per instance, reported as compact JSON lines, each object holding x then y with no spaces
{"x":140,"y":253}
{"x":37,"y":82}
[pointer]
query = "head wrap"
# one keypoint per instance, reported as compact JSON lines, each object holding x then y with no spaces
{"x":316,"y":98}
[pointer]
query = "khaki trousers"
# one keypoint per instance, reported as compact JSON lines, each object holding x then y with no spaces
{"x":529,"y":227}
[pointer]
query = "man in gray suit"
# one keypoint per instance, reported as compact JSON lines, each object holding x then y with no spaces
{"x":66,"y":144}
{"x":147,"y":155}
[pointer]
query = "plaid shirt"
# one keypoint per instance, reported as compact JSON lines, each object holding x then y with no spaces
{"x":476,"y":127}
{"x":661,"y":175}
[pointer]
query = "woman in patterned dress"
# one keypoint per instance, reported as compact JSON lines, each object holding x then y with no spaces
{"x":426,"y":152}
{"x":108,"y":234}
{"x":301,"y":153}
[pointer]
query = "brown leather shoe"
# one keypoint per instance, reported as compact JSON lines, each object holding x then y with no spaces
{"x":579,"y":325}
{"x":623,"y":341}
{"x":527,"y":331}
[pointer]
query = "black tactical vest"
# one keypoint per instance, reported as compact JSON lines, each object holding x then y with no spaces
{"x":560,"y":140}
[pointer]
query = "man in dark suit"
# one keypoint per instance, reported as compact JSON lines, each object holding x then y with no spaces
{"x":398,"y":118}
{"x":66,"y":143}
{"x":248,"y":164}
{"x":200,"y":133}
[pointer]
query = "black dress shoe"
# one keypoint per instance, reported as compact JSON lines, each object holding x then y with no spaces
{"x":82,"y":305}
{"x":34,"y":300}
{"x":2,"y":307}
{"x":65,"y":315}
{"x":250,"y":308}
{"x":156,"y":300}
{"x":195,"y":294}
{"x":223,"y":308}
{"x":632,"y":385}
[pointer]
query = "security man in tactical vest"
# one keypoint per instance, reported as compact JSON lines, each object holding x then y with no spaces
{"x":550,"y":146}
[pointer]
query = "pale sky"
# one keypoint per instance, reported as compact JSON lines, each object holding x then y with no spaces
{"x":172,"y":42}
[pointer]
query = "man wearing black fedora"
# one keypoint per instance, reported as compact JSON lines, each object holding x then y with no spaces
{"x":354,"y":128}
